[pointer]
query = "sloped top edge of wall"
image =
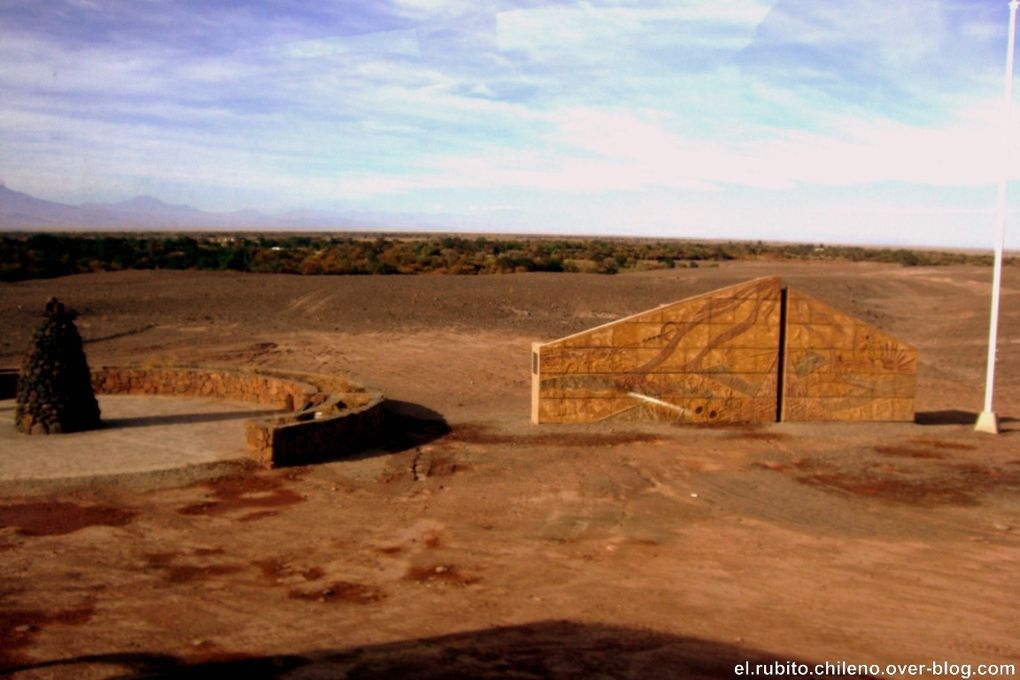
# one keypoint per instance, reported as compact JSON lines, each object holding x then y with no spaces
{"x":772,"y":284}
{"x":796,"y":294}
{"x":764,"y":285}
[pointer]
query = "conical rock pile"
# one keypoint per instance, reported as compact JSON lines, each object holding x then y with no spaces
{"x":54,"y":391}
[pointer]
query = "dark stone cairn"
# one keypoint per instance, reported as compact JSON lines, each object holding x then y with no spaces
{"x":54,"y":391}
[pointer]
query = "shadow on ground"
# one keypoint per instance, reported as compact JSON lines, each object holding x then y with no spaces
{"x":187,"y":418}
{"x":8,"y":383}
{"x":409,"y":425}
{"x":952,"y":417}
{"x":955,"y":417}
{"x":544,"y":649}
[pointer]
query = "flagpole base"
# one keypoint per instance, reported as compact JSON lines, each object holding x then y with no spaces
{"x":987,"y":422}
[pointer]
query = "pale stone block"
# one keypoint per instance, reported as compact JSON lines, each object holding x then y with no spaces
{"x":582,"y":410}
{"x":598,"y":337}
{"x":622,"y":359}
{"x":634,"y":334}
{"x":677,"y":313}
{"x":722,"y":310}
{"x":719,"y":352}
{"x":742,"y":360}
{"x":563,"y":360}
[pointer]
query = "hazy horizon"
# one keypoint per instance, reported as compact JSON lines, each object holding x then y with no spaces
{"x":789,"y":120}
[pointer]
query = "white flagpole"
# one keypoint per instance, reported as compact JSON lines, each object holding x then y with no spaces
{"x":988,"y":421}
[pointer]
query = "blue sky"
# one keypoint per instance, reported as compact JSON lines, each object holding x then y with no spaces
{"x":852,"y":121}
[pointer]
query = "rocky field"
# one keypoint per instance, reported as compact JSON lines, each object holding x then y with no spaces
{"x":474,"y":544}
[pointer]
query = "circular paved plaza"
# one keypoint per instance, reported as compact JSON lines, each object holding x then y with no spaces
{"x":139,"y":434}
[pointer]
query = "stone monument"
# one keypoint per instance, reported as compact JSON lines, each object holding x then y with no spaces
{"x":756,"y":352}
{"x":54,"y":391}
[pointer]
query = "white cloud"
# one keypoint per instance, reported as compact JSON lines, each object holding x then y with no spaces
{"x":594,"y":31}
{"x":876,"y":48}
{"x":965,"y":152}
{"x":397,"y":42}
{"x":591,"y":150}
{"x":643,"y":109}
{"x":438,"y":9}
{"x":46,"y":65}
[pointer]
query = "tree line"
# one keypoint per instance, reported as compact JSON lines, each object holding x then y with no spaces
{"x":27,"y":256}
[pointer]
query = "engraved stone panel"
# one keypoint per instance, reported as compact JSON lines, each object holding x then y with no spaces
{"x":715,"y":358}
{"x":710,"y":358}
{"x":840,"y":368}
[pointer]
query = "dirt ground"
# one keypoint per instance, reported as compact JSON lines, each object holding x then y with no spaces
{"x":474,"y":544}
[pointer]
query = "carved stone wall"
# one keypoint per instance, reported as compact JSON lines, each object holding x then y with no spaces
{"x":839,"y":368}
{"x":754,"y":352}
{"x":710,"y":358}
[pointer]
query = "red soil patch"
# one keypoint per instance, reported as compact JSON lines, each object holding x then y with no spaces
{"x":187,"y":573}
{"x":242,"y":493}
{"x":313,"y":573}
{"x":439,"y":573}
{"x":908,"y":452}
{"x":774,"y":465}
{"x":899,"y":490}
{"x":340,"y":591}
{"x":57,"y":518}
{"x":940,"y":444}
{"x":477,"y":434}
{"x":986,"y":477}
{"x":19,"y":627}
{"x":160,"y":560}
{"x":950,"y":484}
{"x":444,"y":466}
{"x":272,"y":570}
{"x":275,"y":570}
{"x":256,"y":516}
{"x":759,"y":436}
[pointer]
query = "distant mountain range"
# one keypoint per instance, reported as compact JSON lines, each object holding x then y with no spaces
{"x":22,"y":212}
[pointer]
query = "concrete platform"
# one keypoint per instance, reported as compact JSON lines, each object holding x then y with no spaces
{"x":140,"y":434}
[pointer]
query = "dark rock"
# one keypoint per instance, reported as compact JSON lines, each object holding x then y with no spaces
{"x":54,"y":391}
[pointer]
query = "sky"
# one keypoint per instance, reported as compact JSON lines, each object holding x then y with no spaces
{"x":859,"y":121}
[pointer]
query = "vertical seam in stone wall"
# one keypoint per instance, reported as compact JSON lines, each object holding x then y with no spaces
{"x":536,"y":383}
{"x":781,"y":355}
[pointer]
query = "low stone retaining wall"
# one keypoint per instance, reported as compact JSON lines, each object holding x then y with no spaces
{"x":330,"y":417}
{"x":346,"y":423}
{"x":258,"y":388}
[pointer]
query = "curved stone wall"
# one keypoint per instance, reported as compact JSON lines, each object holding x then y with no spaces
{"x":268,"y":390}
{"x":329,"y":417}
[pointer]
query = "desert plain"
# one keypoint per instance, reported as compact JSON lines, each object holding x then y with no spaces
{"x":472,"y":543}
